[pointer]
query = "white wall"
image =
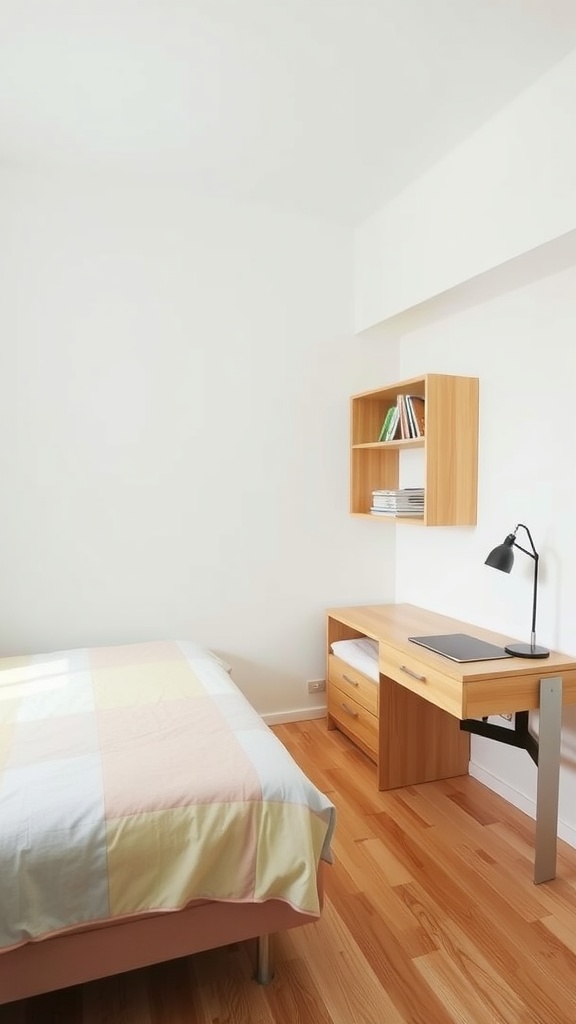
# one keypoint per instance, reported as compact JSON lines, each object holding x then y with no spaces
{"x":504,"y":191}
{"x":174,"y":428}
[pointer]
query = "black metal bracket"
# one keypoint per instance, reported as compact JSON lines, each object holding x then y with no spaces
{"x":519,"y":736}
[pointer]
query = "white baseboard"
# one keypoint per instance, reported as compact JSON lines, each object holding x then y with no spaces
{"x":300,"y":715}
{"x":519,"y":800}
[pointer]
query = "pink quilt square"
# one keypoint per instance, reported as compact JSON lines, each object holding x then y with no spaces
{"x":156,"y":756}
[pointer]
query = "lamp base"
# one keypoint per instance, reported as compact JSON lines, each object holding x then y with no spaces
{"x":527,"y":651}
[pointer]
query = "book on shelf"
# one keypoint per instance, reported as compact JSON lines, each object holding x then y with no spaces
{"x":377,"y":511}
{"x":397,"y":502}
{"x":391,"y":503}
{"x":409,"y":493}
{"x":410,"y":416}
{"x":416,"y":410}
{"x":393,"y":424}
{"x":401,"y":501}
{"x":405,"y":420}
{"x":392,"y":507}
{"x":403,"y":414}
{"x":386,"y":424}
{"x":398,"y":513}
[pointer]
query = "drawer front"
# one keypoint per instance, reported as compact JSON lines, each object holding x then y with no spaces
{"x":436,"y":687}
{"x":354,"y":719}
{"x":362,"y":690}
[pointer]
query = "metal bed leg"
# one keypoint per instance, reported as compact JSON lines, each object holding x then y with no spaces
{"x":265,"y":967}
{"x":548,"y":779}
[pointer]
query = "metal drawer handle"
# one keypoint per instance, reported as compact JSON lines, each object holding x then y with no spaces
{"x":352,"y":682}
{"x":409,"y":672}
{"x":349,"y":711}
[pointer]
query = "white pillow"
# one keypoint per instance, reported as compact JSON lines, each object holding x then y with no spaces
{"x":196,"y":652}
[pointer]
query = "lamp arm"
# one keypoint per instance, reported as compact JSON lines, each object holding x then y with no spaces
{"x":534,"y":552}
{"x":534,"y":555}
{"x":525,"y":550}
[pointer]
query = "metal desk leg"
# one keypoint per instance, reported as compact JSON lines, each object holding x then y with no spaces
{"x":548,"y":779}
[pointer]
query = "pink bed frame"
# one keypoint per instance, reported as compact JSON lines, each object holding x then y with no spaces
{"x":87,"y":954}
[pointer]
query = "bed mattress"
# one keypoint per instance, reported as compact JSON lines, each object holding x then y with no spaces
{"x":138,"y":779}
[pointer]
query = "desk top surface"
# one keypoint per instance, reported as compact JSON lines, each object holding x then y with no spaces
{"x":392,"y":624}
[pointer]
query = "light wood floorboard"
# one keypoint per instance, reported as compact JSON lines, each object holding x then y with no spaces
{"x":431,"y":917}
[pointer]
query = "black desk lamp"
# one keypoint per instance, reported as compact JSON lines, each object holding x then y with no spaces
{"x":502,"y":558}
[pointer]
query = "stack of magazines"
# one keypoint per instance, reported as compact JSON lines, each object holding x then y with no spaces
{"x":407,"y":501}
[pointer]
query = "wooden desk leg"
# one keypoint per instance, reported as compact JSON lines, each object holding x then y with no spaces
{"x":548,"y":779}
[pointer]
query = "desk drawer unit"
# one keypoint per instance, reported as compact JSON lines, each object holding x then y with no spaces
{"x":354,"y":720}
{"x":407,"y":722}
{"x":353,"y":683}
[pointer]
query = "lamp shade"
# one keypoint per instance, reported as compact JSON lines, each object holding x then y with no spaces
{"x":502,"y":557}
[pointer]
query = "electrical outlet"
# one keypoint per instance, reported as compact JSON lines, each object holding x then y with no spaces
{"x":316,"y":685}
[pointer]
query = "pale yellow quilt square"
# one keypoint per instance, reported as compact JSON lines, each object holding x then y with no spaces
{"x":164,"y":859}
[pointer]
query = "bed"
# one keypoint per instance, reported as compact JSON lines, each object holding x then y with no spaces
{"x":146,"y":812}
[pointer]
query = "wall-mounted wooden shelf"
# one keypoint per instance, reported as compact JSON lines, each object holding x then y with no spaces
{"x":450,"y":443}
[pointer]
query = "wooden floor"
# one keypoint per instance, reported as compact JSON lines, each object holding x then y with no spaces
{"x":431,"y":917}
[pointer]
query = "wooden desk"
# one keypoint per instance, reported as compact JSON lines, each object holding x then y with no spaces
{"x":415,"y":725}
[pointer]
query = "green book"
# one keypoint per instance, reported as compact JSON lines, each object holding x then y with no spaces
{"x":393,"y":427}
{"x":386,"y":423}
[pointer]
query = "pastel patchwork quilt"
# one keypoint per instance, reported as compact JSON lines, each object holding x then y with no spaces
{"x":137,"y":779}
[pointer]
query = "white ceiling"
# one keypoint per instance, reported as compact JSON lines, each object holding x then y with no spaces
{"x":323,"y":106}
